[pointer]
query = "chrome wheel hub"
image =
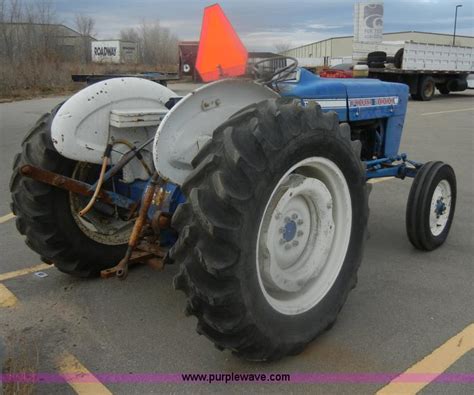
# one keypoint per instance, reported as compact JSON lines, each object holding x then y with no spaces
{"x":440,"y":207}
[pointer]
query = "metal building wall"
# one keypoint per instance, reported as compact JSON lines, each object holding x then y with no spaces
{"x":314,"y":50}
{"x":430,"y":38}
{"x":342,"y":46}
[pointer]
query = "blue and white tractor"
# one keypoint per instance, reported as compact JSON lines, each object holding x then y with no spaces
{"x":257,"y":188}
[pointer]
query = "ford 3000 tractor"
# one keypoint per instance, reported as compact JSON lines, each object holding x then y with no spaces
{"x":255,"y":185}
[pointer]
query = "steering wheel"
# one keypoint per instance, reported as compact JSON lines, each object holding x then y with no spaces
{"x":278,"y":75}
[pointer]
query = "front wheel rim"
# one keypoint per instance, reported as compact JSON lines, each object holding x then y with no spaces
{"x":304,"y":235}
{"x":440,"y":207}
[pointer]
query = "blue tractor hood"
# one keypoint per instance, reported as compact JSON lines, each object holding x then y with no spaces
{"x":355,"y":99}
{"x":352,"y":98}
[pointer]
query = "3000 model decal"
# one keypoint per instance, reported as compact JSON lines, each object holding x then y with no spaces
{"x":356,"y":102}
{"x":374,"y":101}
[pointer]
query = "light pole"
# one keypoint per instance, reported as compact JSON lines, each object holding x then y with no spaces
{"x":455,"y":22}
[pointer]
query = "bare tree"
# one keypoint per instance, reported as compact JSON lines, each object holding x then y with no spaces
{"x":130,"y":34}
{"x":40,"y":30}
{"x":42,"y":12}
{"x":10,"y":13}
{"x":85,"y":25}
{"x":29,"y":44}
{"x":157,"y":45}
{"x":27,"y":33}
{"x":282,"y":46}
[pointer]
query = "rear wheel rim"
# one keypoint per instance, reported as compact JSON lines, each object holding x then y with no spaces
{"x":96,"y":224}
{"x":429,"y":89}
{"x":304,"y":236}
{"x":440,"y":207}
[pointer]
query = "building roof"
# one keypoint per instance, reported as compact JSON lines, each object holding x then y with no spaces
{"x":57,"y":25}
{"x":438,"y":34}
{"x":385,"y":34}
{"x":263,"y":55}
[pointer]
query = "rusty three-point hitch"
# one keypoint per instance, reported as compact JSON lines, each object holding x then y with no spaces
{"x":138,"y":250}
{"x":122,"y":267}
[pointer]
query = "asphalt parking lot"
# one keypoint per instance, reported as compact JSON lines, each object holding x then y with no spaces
{"x":403,"y":313}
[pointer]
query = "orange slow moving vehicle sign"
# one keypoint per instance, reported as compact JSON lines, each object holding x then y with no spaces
{"x":221,"y":54}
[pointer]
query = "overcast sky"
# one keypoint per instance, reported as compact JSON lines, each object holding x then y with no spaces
{"x":262,"y":23}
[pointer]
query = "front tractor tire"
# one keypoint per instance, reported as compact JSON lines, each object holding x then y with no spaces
{"x":272,"y":233}
{"x":431,"y":205}
{"x":44,"y":214}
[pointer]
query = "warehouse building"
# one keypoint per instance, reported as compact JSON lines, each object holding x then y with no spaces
{"x":68,"y":44}
{"x":341,"y":47}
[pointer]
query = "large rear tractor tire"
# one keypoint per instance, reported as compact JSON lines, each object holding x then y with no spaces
{"x":272,"y":233}
{"x":46,"y":215}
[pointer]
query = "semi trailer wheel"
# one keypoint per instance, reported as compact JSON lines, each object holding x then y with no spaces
{"x":48,"y":216}
{"x":426,"y":89}
{"x":431,"y":206}
{"x":273,"y":230}
{"x":443,"y":89}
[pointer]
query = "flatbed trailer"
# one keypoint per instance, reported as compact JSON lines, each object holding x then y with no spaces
{"x":158,"y":77}
{"x":423,"y":67}
{"x":422,"y":83}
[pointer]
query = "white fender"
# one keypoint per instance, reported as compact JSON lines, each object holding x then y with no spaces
{"x":191,"y":122}
{"x":82,"y":127}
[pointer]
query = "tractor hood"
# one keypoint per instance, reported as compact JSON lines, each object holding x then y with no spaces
{"x":352,"y":98}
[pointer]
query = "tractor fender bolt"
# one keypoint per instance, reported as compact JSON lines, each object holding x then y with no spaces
{"x":278,"y":216}
{"x":281,"y":230}
{"x":287,"y":219}
{"x":294,"y":216}
{"x":300,"y":233}
{"x":282,"y":241}
{"x":287,"y":246}
{"x":300,"y":222}
{"x":295,"y":243}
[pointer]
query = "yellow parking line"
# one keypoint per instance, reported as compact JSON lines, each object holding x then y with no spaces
{"x":6,"y":218}
{"x":22,"y":272}
{"x":447,"y":111}
{"x":381,"y":179}
{"x":7,"y":299}
{"x":72,"y":370}
{"x":433,"y":365}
